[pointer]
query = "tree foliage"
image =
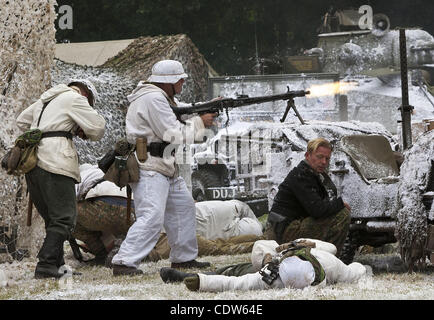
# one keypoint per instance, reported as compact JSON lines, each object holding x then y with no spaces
{"x":229,"y":33}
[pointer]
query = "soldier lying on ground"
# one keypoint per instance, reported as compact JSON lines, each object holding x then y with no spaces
{"x":223,"y":227}
{"x":301,"y":263}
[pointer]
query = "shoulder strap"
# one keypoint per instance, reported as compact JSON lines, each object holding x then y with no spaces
{"x":65,"y":134}
{"x":43,"y":108}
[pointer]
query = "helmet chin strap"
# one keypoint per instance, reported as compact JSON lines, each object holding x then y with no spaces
{"x":173,"y":90}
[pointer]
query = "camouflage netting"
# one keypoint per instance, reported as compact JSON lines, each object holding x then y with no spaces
{"x":137,"y":59}
{"x":112,"y":104}
{"x":27,"y":39}
{"x":117,"y":78}
{"x":412,"y":215}
{"x":26,"y":65}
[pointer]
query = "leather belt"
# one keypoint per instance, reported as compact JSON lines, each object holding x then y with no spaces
{"x":50,"y":134}
{"x":156,"y":149}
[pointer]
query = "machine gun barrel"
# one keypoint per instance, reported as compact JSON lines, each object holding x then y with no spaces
{"x":229,"y":103}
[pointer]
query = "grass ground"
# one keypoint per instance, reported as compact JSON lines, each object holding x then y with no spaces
{"x":97,"y":283}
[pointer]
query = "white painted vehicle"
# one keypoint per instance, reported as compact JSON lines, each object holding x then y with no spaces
{"x":248,"y":161}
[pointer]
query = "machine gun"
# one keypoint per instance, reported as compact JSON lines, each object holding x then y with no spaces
{"x":217,"y":106}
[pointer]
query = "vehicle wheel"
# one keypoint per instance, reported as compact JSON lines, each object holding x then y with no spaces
{"x":349,"y":249}
{"x":202,"y":179}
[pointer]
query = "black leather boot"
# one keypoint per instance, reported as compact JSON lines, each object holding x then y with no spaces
{"x":50,"y":256}
{"x":60,"y":258}
{"x":173,"y":275}
{"x":99,"y":259}
{"x":190,"y":264}
{"x":121,"y":270}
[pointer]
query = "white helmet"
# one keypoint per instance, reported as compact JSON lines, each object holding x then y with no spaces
{"x":296,"y":273}
{"x":167,"y":71}
{"x":89,"y":85}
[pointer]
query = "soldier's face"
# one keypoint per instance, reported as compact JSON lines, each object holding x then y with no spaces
{"x":178,"y":86}
{"x":319,"y":160}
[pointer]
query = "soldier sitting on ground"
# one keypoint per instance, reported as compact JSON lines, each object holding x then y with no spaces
{"x":223,"y":227}
{"x":307,"y":205}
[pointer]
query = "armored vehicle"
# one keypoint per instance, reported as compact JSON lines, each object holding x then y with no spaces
{"x":349,"y":46}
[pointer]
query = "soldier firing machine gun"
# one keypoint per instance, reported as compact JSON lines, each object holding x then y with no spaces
{"x":218,"y":106}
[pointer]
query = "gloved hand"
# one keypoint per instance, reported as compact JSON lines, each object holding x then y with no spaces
{"x":267,"y":259}
{"x":80,"y":133}
{"x":296,"y":243}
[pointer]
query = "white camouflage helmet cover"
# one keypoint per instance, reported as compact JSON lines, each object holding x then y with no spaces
{"x":296,"y":273}
{"x":88,"y":85}
{"x":167,"y":71}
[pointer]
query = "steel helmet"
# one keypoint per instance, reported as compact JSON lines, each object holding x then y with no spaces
{"x":296,"y":273}
{"x":93,"y":93}
{"x":167,"y":71}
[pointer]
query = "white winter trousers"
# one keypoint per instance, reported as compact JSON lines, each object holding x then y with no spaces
{"x":160,"y":201}
{"x":250,"y":281}
{"x":335,"y":270}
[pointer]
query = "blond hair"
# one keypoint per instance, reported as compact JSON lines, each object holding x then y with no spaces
{"x":314,"y":144}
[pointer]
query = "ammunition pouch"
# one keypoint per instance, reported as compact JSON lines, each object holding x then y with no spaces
{"x":277,"y":223}
{"x":122,"y":164}
{"x":122,"y":148}
{"x":107,"y":160}
{"x":22,"y":158}
{"x":118,"y":155}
